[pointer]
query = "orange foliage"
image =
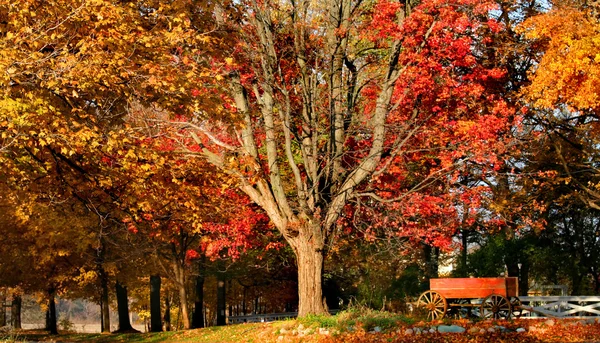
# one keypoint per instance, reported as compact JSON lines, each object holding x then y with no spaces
{"x":569,"y":72}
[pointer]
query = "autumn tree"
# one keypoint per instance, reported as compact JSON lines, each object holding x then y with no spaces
{"x":563,"y":94}
{"x":71,"y":71}
{"x":333,"y":96}
{"x":43,"y":247}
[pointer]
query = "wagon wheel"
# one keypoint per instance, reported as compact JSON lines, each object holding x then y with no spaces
{"x":515,"y":306}
{"x":434,"y":303}
{"x":495,"y":306}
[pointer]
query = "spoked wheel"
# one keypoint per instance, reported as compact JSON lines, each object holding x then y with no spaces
{"x":515,"y":306}
{"x":434,"y":303}
{"x":495,"y":306}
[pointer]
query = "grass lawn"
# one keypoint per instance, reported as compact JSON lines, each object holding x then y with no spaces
{"x":349,"y":327}
{"x":233,"y":333}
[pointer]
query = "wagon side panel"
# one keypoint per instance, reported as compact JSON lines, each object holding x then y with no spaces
{"x":468,"y":288}
{"x":512,"y":287}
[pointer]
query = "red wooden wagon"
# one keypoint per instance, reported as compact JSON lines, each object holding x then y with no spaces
{"x":499,"y":297}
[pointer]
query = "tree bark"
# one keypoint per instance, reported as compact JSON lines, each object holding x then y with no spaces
{"x":167,"y":317}
{"x":51,"y":317}
{"x":2,"y":309}
{"x":431,"y":257}
{"x":123,"y":308}
{"x":221,"y":300}
{"x":15,"y":312}
{"x":104,"y":305}
{"x":198,"y":314}
{"x":244,"y":308}
{"x":524,"y":279}
{"x":464,"y":253}
{"x":155,"y":313}
{"x":310,"y":257}
{"x":181,"y":283}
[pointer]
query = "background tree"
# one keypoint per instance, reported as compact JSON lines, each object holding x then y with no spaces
{"x":564,"y":92}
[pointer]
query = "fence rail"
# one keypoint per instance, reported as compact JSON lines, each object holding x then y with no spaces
{"x":561,"y":306}
{"x":256,"y":318}
{"x":271,"y":317}
{"x":532,"y":307}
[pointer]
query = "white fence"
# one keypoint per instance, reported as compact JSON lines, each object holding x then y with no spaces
{"x":561,"y":306}
{"x":271,"y":317}
{"x":257,"y":318}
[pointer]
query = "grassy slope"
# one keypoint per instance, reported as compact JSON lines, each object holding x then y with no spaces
{"x":250,"y":333}
{"x":538,"y":331}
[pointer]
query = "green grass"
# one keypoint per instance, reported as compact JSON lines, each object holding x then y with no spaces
{"x":345,"y":321}
{"x":225,"y":334}
{"x":356,"y":317}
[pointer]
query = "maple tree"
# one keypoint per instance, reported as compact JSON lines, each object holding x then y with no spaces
{"x":336,"y":99}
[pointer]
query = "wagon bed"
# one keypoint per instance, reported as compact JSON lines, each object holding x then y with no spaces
{"x":499,"y":297}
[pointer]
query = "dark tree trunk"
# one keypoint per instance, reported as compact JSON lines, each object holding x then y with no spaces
{"x":244,"y":309}
{"x":104,"y":305}
{"x":51,"y":317}
{"x":123,"y":308}
{"x":221,"y":301}
{"x":167,"y":317}
{"x":431,"y":256}
{"x":576,"y":278}
{"x":512,"y":268}
{"x":101,"y":316}
{"x":15,"y":312}
{"x":464,"y":235}
{"x":2,"y":309}
{"x":198,"y":314}
{"x":524,"y":279}
{"x":596,"y":281}
{"x":155,"y":313}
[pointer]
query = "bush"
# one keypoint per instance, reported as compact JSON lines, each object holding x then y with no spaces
{"x":65,"y":324}
{"x":356,"y":316}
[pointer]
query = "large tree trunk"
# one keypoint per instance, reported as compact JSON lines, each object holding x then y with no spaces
{"x":185,"y":313}
{"x":104,"y":305}
{"x":198,"y":314}
{"x":181,"y":281}
{"x":15,"y":312}
{"x":309,"y":254}
{"x":51,"y":319}
{"x":221,"y":300}
{"x":155,"y":314}
{"x":123,"y":308}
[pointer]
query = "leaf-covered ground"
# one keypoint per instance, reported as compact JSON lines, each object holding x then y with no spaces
{"x":536,"y":331}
